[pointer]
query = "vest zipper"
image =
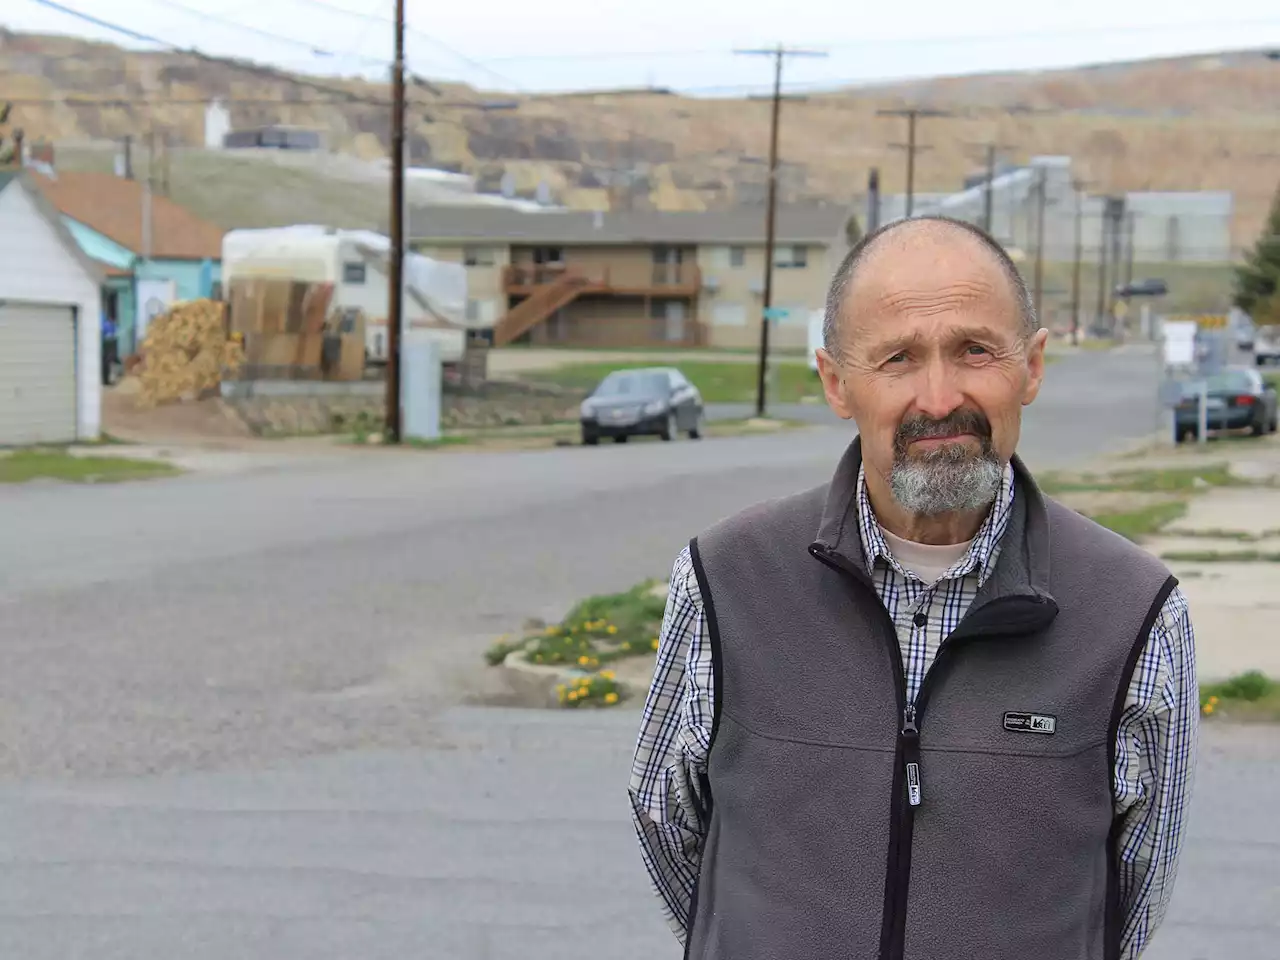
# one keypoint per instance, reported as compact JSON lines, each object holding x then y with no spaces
{"x":893,"y":920}
{"x":908,"y":785}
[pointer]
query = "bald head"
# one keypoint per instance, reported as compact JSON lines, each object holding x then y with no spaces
{"x":928,"y":236}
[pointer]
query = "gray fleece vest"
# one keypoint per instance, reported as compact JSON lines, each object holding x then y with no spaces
{"x":974,"y":824}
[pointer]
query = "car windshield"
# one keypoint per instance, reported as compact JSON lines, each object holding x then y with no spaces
{"x":633,"y":385}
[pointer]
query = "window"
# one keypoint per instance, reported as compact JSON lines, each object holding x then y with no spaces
{"x":353,"y":272}
{"x":791,"y":257}
{"x":737,"y":256}
{"x":479,"y":256}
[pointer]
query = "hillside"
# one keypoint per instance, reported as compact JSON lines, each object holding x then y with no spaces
{"x":1207,"y":122}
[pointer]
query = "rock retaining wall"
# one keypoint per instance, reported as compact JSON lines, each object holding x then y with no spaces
{"x":490,"y":405}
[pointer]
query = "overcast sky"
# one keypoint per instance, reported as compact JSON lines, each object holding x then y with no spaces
{"x":687,"y":44}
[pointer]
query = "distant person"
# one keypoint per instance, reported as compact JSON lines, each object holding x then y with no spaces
{"x":109,"y":348}
{"x":922,"y":711}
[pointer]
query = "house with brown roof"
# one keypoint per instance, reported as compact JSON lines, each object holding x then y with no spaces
{"x":153,"y":251}
{"x":637,"y":278}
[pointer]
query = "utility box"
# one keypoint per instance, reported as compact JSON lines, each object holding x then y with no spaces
{"x":420,"y":386}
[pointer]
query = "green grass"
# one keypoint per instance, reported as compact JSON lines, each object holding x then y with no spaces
{"x":717,"y":382}
{"x":1172,"y":480}
{"x":597,"y":631}
{"x":1144,"y":521}
{"x":26,"y":465}
{"x":1244,"y":536}
{"x":1221,"y":556}
{"x":1246,"y":696}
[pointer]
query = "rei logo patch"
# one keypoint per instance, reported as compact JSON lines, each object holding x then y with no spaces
{"x":1031,"y":723}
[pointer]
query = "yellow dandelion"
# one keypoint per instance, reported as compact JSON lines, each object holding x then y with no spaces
{"x":583,"y":660}
{"x":654,"y":643}
{"x":607,"y":674}
{"x":1214,"y":701}
{"x":1208,"y":708}
{"x":612,"y":628}
{"x":572,"y":694}
{"x":610,"y":698}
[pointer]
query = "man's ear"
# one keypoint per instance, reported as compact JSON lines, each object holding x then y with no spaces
{"x":1035,"y":365}
{"x":833,"y":385}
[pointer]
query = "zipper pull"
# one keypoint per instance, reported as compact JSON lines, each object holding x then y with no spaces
{"x":911,"y":754}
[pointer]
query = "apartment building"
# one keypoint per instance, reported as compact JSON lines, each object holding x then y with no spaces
{"x":635,"y":278}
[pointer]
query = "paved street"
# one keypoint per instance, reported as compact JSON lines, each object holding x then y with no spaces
{"x":231,"y":702}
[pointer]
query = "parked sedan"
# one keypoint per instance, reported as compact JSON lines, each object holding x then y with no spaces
{"x":656,"y":401}
{"x":1237,"y":399}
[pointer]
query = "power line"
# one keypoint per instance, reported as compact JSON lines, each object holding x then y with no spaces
{"x":231,"y":62}
{"x":267,"y":34}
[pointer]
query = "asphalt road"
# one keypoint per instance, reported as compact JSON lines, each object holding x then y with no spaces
{"x":228,"y":702}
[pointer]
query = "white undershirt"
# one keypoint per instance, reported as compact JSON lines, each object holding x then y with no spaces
{"x":927,"y":561}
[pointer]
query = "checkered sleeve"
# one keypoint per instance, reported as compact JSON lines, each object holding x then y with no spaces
{"x":1155,"y":759}
{"x":667,"y":800}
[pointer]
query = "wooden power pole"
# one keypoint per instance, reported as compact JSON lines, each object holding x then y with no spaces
{"x":911,"y":147}
{"x":779,"y":54}
{"x":395,"y":271}
{"x":1078,"y":187}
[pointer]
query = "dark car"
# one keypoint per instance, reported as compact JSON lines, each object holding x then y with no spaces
{"x":1238,"y":399}
{"x":657,"y":401}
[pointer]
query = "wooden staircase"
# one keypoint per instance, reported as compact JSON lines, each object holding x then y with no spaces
{"x":536,"y":307}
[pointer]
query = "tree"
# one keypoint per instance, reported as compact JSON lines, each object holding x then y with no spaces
{"x":1257,"y":283}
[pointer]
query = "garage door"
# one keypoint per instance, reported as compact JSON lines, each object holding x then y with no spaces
{"x":37,"y":375}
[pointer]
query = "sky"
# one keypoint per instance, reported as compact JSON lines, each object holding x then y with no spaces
{"x":687,"y":45}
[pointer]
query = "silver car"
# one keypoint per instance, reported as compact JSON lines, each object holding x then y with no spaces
{"x":654,"y":401}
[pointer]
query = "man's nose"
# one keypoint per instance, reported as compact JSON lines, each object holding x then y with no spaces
{"x":938,"y":394}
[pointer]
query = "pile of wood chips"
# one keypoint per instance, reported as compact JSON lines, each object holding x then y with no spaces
{"x":186,"y":353}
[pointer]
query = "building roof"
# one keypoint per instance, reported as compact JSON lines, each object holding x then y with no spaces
{"x":745,"y":225}
{"x":112,"y":206}
{"x":23,"y":180}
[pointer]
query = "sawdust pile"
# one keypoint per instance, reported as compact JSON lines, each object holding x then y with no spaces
{"x":186,"y":353}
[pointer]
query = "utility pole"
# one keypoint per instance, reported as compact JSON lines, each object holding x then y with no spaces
{"x":1105,"y":220}
{"x":1040,"y":205}
{"x":1115,"y":213}
{"x":1129,"y":225}
{"x":911,"y":147}
{"x":989,"y":189}
{"x":395,"y":283}
{"x":779,"y":54}
{"x":1078,"y":187}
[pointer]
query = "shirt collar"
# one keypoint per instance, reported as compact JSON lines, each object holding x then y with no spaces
{"x":982,"y":554}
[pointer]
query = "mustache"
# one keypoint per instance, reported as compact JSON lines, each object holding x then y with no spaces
{"x":958,"y":421}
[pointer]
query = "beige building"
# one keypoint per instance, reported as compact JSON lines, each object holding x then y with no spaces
{"x":635,"y":279}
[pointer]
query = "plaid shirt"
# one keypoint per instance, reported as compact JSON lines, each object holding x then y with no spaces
{"x":1155,"y":743}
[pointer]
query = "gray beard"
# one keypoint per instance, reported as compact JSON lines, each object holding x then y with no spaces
{"x":947,"y":480}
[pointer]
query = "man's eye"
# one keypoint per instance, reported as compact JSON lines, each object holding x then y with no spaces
{"x":976,"y":350}
{"x":897,"y":358}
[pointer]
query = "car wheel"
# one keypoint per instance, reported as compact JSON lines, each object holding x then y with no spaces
{"x":695,"y":433}
{"x":590,"y":439}
{"x":671,"y":429}
{"x":621,"y":438}
{"x":1258,"y":427}
{"x":1186,"y":434}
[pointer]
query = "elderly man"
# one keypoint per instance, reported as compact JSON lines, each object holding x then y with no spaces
{"x":923,"y":711}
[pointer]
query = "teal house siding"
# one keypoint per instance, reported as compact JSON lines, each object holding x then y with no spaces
{"x":192,"y":279}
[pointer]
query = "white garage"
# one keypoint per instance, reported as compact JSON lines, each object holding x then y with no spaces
{"x":38,"y":371}
{"x":50,"y":324}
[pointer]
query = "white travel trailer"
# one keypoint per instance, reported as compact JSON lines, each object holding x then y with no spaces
{"x":355,"y":262}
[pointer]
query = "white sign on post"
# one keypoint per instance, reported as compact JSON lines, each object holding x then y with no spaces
{"x":1179,"y":343}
